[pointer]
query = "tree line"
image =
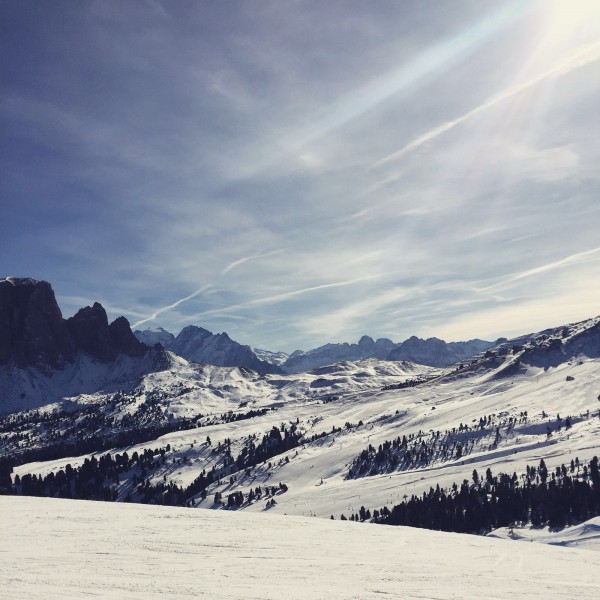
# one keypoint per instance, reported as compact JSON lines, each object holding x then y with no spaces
{"x":565,"y":496}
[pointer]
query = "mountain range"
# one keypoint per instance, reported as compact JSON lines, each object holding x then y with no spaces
{"x":200,"y":345}
{"x":432,"y":352}
{"x":45,"y":357}
{"x":87,"y":412}
{"x":33,"y":333}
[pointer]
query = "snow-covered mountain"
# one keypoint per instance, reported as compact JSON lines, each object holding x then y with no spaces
{"x":432,"y":352}
{"x":93,"y":413}
{"x":273,"y":357}
{"x":324,"y":434}
{"x":202,"y":346}
{"x":155,"y":335}
{"x":436,"y":352}
{"x":23,"y":388}
{"x":332,"y":353}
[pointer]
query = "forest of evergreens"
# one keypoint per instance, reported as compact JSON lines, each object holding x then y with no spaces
{"x":540,"y":497}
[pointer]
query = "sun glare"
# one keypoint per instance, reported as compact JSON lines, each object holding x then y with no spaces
{"x":569,"y":19}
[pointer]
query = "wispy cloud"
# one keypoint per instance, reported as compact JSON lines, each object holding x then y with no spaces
{"x":201,"y":165}
{"x":277,"y":298}
{"x":170,"y":307}
{"x":577,"y":59}
{"x":245,"y":259}
{"x":573,"y":259}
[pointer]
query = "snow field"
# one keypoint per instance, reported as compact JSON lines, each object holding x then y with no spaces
{"x":438,"y":405}
{"x":68,"y":549}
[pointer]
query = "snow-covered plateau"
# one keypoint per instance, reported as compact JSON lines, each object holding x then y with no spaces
{"x":70,"y":549}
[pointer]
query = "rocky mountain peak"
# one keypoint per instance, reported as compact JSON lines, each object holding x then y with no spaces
{"x":200,"y":345}
{"x":34,"y":333}
{"x":89,"y":328}
{"x":123,"y":339}
{"x":32,"y":330}
{"x":366,"y":343}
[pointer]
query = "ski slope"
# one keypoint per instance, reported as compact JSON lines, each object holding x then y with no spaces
{"x":316,"y":473}
{"x":68,"y":549}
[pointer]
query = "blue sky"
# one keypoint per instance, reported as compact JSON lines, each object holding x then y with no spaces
{"x":298,"y":172}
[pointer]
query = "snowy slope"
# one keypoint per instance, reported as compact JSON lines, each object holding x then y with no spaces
{"x":585,"y":535}
{"x":155,"y":335}
{"x":275,"y":358}
{"x":61,"y":549}
{"x":28,"y":388}
{"x":350,"y":398}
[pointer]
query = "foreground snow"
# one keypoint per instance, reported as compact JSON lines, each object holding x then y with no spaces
{"x":72,"y":549}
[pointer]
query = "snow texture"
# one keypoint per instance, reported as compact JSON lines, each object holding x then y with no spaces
{"x":68,"y":549}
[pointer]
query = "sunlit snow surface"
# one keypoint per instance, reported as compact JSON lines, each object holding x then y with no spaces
{"x":72,"y":549}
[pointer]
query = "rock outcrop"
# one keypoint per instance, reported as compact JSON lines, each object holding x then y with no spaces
{"x":33,"y":332}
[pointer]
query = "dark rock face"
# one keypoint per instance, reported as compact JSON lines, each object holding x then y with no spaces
{"x":123,"y":339}
{"x":89,"y":328}
{"x":33,"y":332}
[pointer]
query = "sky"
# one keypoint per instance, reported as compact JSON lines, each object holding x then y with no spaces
{"x":302,"y":172}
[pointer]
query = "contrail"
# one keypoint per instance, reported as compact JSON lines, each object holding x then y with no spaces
{"x":245,"y":259}
{"x":568,"y":260}
{"x":175,"y":304}
{"x":228,"y":268}
{"x":580,"y":57}
{"x":285,"y":295}
{"x":407,"y":76}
